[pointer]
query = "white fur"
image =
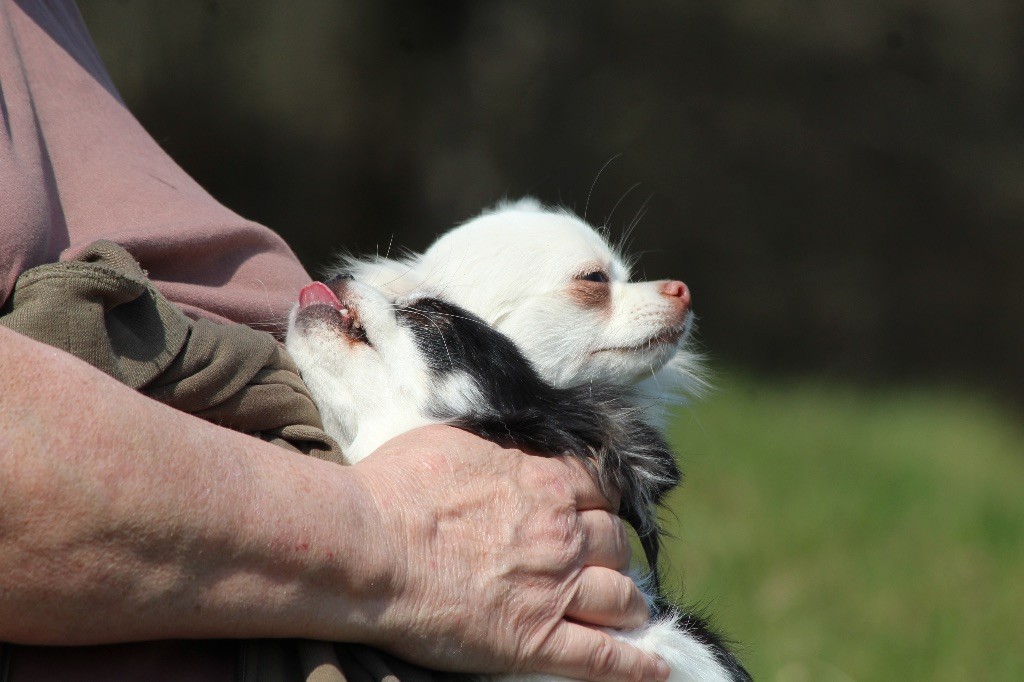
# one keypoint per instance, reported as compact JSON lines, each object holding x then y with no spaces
{"x":688,"y":659}
{"x":517,"y":266}
{"x":368,"y":394}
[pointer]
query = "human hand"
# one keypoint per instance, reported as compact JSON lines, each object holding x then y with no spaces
{"x":499,"y":561}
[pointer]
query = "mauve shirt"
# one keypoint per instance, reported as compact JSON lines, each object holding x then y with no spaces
{"x":76,"y":166}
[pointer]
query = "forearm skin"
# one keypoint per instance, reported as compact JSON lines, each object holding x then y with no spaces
{"x":122,"y":519}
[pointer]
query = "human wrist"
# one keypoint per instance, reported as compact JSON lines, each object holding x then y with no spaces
{"x":333,"y":535}
{"x":381,"y":545}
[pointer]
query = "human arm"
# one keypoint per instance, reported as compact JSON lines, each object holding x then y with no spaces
{"x":121,"y":519}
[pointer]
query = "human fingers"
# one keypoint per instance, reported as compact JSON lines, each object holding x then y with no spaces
{"x":607,"y":598}
{"x":606,"y":540}
{"x":583,"y":483}
{"x":580,"y":652}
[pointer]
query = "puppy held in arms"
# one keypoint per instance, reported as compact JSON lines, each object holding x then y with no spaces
{"x":377,"y":369}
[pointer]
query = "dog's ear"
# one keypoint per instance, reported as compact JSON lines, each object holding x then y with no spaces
{"x":639,"y":461}
{"x":639,"y":449}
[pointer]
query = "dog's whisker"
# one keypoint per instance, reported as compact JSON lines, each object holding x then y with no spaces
{"x":391,"y":240}
{"x":273,"y":323}
{"x":625,"y":194}
{"x":607,"y":163}
{"x":627,"y":234}
{"x":428,"y":318}
{"x":407,"y":308}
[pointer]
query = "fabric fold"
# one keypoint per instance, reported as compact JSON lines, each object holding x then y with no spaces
{"x":102,"y":309}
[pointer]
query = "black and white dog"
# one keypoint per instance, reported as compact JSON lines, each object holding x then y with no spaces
{"x":377,"y":369}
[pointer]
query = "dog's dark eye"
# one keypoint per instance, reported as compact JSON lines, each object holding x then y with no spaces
{"x":595,"y":276}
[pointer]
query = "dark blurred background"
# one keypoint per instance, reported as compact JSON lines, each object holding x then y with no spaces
{"x":840,"y":183}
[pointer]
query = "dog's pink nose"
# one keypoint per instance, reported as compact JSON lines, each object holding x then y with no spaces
{"x":677,"y":290}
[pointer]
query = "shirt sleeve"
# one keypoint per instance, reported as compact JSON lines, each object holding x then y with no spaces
{"x":76,"y":166}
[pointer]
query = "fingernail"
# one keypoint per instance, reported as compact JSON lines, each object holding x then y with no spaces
{"x":663,"y":670}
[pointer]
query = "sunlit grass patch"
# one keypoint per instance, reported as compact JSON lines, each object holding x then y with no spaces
{"x":854,"y":534}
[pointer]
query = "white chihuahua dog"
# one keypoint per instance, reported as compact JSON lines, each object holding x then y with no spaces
{"x":552,"y":283}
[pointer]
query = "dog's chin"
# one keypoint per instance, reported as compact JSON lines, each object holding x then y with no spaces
{"x":629,"y":360}
{"x":625,"y":364}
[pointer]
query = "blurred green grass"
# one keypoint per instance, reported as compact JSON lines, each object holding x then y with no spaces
{"x":851,"y":534}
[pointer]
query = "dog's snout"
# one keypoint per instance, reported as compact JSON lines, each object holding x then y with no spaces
{"x":678,"y":293}
{"x":337,"y":278}
{"x":677,"y":290}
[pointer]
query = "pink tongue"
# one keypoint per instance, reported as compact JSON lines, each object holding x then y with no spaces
{"x":317,"y":292}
